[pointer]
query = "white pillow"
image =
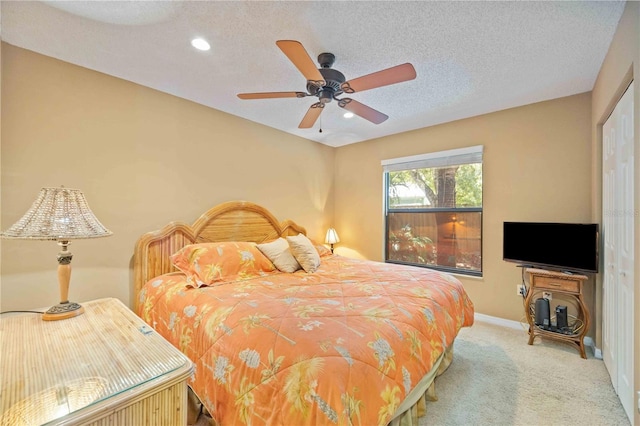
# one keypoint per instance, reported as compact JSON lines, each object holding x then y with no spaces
{"x":280,"y":255}
{"x":304,"y":252}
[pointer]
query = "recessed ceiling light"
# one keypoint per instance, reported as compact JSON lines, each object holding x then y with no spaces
{"x":200,"y":44}
{"x":348,"y":115}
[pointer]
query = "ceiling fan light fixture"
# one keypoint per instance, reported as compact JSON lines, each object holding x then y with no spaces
{"x":200,"y":44}
{"x":348,"y":115}
{"x":325,"y":95}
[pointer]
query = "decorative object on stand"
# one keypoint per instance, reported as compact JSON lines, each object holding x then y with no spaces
{"x":60,"y":214}
{"x":332,"y":238}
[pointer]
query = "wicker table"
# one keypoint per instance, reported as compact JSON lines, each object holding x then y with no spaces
{"x":571,"y":285}
{"x":106,"y":367}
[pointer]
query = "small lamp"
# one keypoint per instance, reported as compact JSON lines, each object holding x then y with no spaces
{"x":59,"y":214}
{"x":332,"y":238}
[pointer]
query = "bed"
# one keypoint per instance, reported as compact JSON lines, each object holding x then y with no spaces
{"x":354,"y":342}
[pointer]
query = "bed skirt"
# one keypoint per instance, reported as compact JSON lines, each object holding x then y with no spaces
{"x":413,"y":407}
{"x":415,"y":404}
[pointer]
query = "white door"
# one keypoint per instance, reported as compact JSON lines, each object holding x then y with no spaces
{"x":618,"y":234}
{"x":608,"y":234}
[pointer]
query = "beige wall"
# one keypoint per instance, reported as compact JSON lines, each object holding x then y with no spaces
{"x":621,"y":65}
{"x":142,"y":158}
{"x":536,"y":167}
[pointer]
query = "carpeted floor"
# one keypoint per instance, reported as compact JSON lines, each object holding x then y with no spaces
{"x":497,"y":379}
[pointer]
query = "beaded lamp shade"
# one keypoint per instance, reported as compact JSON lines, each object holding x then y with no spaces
{"x":60,"y":214}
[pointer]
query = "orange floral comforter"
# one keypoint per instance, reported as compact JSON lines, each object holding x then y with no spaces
{"x":343,"y":345}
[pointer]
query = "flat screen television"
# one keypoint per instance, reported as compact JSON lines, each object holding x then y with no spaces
{"x":560,"y":246}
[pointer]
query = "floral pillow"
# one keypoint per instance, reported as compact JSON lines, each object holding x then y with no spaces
{"x":322,"y":250}
{"x":208,"y":263}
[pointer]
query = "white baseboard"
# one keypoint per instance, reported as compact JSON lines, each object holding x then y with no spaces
{"x":500,"y":321}
{"x":588,"y":341}
{"x":597,"y":353}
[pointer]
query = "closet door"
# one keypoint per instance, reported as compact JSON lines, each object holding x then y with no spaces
{"x":618,"y":234}
{"x":625,"y":160}
{"x":608,"y":234}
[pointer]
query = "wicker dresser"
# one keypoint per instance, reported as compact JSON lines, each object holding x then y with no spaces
{"x":106,"y":367}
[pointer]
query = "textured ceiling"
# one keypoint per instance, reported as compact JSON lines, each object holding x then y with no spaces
{"x":470,"y":57}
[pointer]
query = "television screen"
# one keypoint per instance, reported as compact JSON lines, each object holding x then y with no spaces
{"x":561,"y":246}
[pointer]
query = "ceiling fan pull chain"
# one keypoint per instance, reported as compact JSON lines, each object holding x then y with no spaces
{"x":320,"y":131}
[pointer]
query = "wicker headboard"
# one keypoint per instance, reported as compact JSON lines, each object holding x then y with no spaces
{"x":231,"y":221}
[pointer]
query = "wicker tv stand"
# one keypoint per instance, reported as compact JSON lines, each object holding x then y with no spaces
{"x":541,"y":280}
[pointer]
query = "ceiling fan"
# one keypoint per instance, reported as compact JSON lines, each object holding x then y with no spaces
{"x":327,"y":84}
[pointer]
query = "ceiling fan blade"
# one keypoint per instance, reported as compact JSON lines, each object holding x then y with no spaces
{"x":362,"y":110}
{"x":271,"y":95}
{"x":392,"y":75}
{"x":301,"y":59}
{"x":311,"y":116}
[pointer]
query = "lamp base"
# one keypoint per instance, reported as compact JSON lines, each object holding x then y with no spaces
{"x":63,"y":311}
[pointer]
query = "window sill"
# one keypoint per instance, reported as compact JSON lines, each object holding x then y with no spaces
{"x":465,"y":276}
{"x":475,"y":275}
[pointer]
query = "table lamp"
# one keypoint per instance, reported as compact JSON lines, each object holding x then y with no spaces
{"x":59,"y":214}
{"x":332,"y":238}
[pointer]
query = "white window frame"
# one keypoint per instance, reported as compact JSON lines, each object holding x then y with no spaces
{"x":452,"y":157}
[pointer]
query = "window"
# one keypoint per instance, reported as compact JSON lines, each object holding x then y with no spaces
{"x":433,"y":210}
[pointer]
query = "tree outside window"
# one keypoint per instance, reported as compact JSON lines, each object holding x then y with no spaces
{"x":434,"y":217}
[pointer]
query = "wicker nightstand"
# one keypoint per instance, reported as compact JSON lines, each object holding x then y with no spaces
{"x":106,"y":367}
